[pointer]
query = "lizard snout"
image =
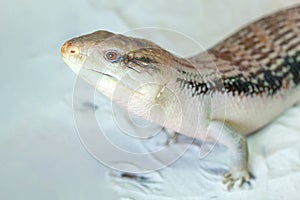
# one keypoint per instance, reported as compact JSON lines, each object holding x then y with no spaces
{"x":69,"y":49}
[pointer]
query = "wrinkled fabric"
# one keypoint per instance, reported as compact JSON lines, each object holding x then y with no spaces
{"x":41,"y":155}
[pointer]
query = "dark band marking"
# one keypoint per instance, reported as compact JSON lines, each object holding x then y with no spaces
{"x":265,"y":81}
{"x":293,"y":65}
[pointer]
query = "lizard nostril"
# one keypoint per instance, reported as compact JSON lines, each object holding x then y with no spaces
{"x":68,"y":49}
{"x":73,"y":50}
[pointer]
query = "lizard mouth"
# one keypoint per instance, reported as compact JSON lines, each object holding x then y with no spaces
{"x":105,"y":74}
{"x":119,"y":81}
{"x":78,"y":65}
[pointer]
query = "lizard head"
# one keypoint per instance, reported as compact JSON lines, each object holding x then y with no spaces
{"x":107,"y":60}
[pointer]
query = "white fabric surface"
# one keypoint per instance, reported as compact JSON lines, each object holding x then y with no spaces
{"x":41,"y":156}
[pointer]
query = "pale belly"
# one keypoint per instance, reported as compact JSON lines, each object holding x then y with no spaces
{"x":191,"y":116}
{"x":248,"y":114}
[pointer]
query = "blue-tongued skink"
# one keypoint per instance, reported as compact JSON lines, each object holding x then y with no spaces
{"x":232,"y":90}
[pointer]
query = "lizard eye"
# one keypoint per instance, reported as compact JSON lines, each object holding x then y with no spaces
{"x":112,"y":56}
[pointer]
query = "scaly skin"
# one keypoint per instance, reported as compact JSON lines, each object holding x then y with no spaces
{"x":234,"y":89}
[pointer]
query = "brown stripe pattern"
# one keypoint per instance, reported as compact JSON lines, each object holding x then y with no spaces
{"x":261,"y":58}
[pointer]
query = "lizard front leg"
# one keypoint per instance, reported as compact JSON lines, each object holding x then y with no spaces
{"x":237,"y":144}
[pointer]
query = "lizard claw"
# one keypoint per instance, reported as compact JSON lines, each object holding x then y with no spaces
{"x":237,"y":178}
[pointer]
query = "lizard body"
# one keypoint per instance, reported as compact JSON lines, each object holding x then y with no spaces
{"x":235,"y":88}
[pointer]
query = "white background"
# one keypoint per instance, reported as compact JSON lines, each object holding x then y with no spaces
{"x":41,"y":156}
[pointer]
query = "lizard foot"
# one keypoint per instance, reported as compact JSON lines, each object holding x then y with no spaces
{"x":237,"y":178}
